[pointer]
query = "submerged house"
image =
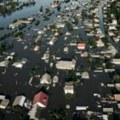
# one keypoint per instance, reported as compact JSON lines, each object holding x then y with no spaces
{"x":4,"y":103}
{"x":34,"y":113}
{"x":40,"y":99}
{"x":19,"y":101}
{"x":69,"y":89}
{"x":66,"y":65}
{"x":116,"y":61}
{"x":85,"y":75}
{"x":117,"y":86}
{"x":117,"y":97}
{"x":4,"y":63}
{"x":46,"y":79}
{"x":81,"y":46}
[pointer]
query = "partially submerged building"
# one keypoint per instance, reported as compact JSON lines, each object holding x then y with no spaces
{"x":19,"y":101}
{"x":46,"y":79}
{"x":69,"y":89}
{"x":66,"y":65}
{"x":4,"y":104}
{"x":40,"y":99}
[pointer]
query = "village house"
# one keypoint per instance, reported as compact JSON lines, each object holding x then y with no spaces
{"x":55,"y":4}
{"x":88,"y":23}
{"x":69,"y":89}
{"x":46,"y":79}
{"x":2,"y":97}
{"x":67,"y":34}
{"x":111,"y":33}
{"x":66,"y":50}
{"x":4,"y":104}
{"x":4,"y":63}
{"x":84,"y":54}
{"x":116,"y":39}
{"x":60,"y":25}
{"x":100,"y":43}
{"x":40,"y":32}
{"x":36,"y":48}
{"x":96,"y":20}
{"x":116,"y":61}
{"x":118,"y":105}
{"x":34,"y":113}
{"x":40,"y":99}
{"x":117,"y":97}
{"x":114,"y":22}
{"x":85,"y":75}
{"x":111,"y":27}
{"x":117,"y":86}
{"x":46,"y":55}
{"x":96,"y":25}
{"x":19,"y":101}
{"x":17,"y":64}
{"x":108,"y":110}
{"x":81,"y":46}
{"x":110,"y":50}
{"x":55,"y":79}
{"x":105,"y":117}
{"x":90,"y":34}
{"x":66,"y":65}
{"x":82,"y":108}
{"x":20,"y":63}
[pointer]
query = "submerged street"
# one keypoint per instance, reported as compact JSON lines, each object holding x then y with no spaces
{"x":70,"y":41}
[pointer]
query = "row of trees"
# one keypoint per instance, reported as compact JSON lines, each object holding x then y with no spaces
{"x":10,"y":6}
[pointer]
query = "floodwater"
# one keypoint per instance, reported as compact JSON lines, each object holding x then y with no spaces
{"x":13,"y":85}
{"x":25,"y":12}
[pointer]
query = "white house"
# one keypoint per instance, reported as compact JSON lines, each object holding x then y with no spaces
{"x":117,"y":86}
{"x":60,"y":25}
{"x":66,"y":65}
{"x":85,"y":75}
{"x":17,"y":64}
{"x":69,"y":89}
{"x":41,"y":32}
{"x":100,"y":43}
{"x":2,"y":97}
{"x":111,"y":33}
{"x":19,"y":100}
{"x":105,"y":117}
{"x":114,"y":22}
{"x":46,"y":79}
{"x":55,"y":79}
{"x":34,"y":113}
{"x":4,"y":63}
{"x":116,"y":61}
{"x":108,"y":110}
{"x":117,"y":97}
{"x":111,"y":27}
{"x":82,"y":108}
{"x":4,"y":103}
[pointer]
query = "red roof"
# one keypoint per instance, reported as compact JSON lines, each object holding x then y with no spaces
{"x":40,"y":98}
{"x":81,"y":45}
